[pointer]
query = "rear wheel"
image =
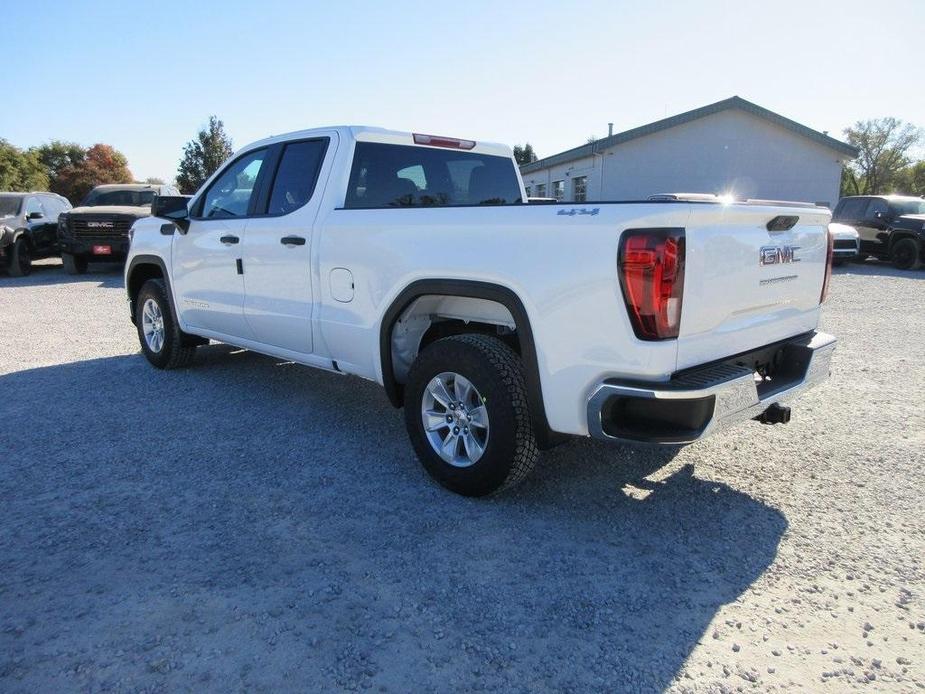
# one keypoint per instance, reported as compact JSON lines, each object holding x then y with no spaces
{"x":162,"y":341}
{"x":74,"y":264}
{"x":20,"y":258}
{"x":906,"y":254}
{"x":467,"y":416}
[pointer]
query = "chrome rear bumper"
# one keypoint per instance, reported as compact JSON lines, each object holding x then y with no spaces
{"x":700,"y":401}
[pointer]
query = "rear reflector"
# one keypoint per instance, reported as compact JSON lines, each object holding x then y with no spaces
{"x":651,"y":264}
{"x":829,"y":254}
{"x":437,"y":141}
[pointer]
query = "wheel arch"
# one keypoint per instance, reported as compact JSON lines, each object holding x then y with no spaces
{"x":22,"y":233}
{"x":901,"y":235}
{"x":141,"y":269}
{"x":471,"y":289}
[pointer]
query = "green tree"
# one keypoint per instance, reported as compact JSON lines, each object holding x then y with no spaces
{"x":524,"y":155}
{"x":20,"y":170}
{"x":884,"y":144}
{"x":102,"y":164}
{"x":911,"y":180}
{"x":203,"y":155}
{"x":56,"y":155}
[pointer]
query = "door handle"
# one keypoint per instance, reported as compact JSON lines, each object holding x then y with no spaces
{"x":228,"y":240}
{"x":292,"y":241}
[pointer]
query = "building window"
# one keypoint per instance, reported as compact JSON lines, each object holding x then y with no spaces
{"x":558,"y":190}
{"x":580,"y":188}
{"x":541,"y":190}
{"x":529,"y":191}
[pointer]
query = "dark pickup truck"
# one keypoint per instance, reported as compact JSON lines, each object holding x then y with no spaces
{"x":28,"y":225}
{"x":891,"y":227}
{"x":98,"y":229}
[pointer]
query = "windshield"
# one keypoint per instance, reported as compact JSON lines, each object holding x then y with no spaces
{"x":902,"y":207}
{"x":9,"y":205}
{"x":129,"y":198}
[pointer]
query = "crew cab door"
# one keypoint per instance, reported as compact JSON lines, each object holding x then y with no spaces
{"x":873,"y":226}
{"x":41,"y":228}
{"x":206,"y":277}
{"x":278,"y":244}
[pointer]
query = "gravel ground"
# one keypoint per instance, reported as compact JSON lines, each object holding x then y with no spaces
{"x":252,"y":525}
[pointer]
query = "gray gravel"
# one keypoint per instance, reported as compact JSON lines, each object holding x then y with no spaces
{"x":252,"y":525}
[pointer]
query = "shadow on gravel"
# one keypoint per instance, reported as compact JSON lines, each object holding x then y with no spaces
{"x":878,"y":267}
{"x":52,"y":272}
{"x":247,"y":524}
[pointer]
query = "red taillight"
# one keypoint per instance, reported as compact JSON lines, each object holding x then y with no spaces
{"x":829,"y":253}
{"x":437,"y":141}
{"x":651,"y":263}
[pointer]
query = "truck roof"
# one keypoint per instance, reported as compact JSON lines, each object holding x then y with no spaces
{"x":365,"y":133}
{"x":127,"y":186}
{"x":885,"y":197}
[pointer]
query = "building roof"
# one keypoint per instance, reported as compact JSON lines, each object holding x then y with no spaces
{"x":734,"y":102}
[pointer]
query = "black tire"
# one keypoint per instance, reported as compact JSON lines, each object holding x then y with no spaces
{"x":74,"y":264}
{"x":860,"y":258}
{"x":906,"y":254}
{"x":497,"y":373}
{"x":838,"y":262}
{"x":20,"y":258}
{"x":177,"y":350}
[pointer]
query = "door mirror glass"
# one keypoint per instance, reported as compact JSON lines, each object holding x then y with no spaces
{"x":173,"y":208}
{"x":35,"y":215}
{"x":170,"y":207}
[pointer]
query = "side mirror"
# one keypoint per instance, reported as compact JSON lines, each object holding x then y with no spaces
{"x":174,"y":208}
{"x":878,"y":215}
{"x":35,"y":215}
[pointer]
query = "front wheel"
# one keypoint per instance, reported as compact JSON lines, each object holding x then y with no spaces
{"x":20,"y":258}
{"x":467,"y":416}
{"x":906,"y":255}
{"x":162,"y":342}
{"x":74,"y":264}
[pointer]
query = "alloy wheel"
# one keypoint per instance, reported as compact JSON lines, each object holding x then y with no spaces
{"x":455,"y":419}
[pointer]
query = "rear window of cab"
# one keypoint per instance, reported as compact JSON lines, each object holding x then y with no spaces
{"x":388,"y":176}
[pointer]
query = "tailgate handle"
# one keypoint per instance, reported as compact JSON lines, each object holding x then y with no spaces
{"x":229,"y":240}
{"x":783,"y":222}
{"x":292,"y":241}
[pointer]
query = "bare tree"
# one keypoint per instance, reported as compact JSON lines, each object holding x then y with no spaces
{"x":883,"y":144}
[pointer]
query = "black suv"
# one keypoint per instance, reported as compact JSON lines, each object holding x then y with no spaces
{"x":28,"y":229}
{"x":98,"y":228}
{"x":891,"y":227}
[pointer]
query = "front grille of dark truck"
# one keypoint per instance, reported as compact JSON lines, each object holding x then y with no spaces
{"x":102,"y":227}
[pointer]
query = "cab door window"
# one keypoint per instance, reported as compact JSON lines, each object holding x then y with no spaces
{"x":851,"y":210}
{"x":876,"y":206}
{"x":232,"y":193}
{"x":296,"y":175}
{"x":52,"y":208}
{"x":33,"y":205}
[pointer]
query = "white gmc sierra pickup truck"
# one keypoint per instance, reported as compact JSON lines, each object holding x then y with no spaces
{"x":500,"y":326}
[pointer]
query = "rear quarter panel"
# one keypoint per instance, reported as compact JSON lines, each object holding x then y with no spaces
{"x":563,"y":267}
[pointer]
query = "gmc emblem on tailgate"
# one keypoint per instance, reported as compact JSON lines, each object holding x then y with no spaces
{"x":778,"y":255}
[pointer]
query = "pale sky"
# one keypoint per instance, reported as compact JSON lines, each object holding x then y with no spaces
{"x":144,"y":77}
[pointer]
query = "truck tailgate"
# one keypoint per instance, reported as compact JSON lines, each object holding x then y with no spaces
{"x":746,"y":286}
